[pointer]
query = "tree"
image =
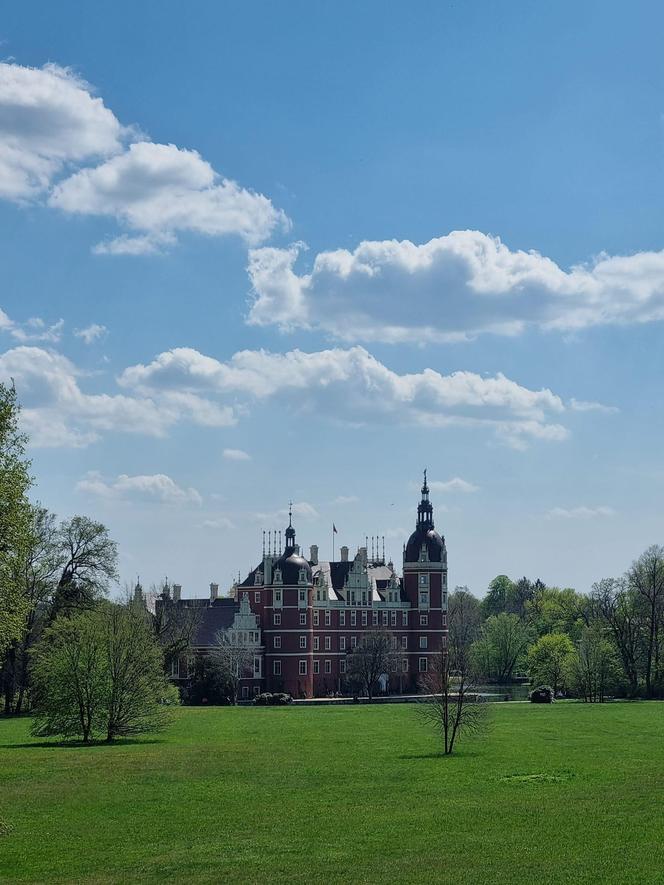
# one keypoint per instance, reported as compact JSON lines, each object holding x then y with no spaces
{"x":98,"y":673}
{"x":594,"y":668}
{"x":548,"y":660}
{"x":451,"y":705}
{"x":519,"y":595}
{"x":89,"y":564}
{"x":552,"y":610}
{"x":617,"y":605}
{"x":232,"y":662}
{"x":374,"y":655}
{"x":495,"y":600}
{"x":37,"y":577}
{"x":501,"y":646}
{"x":646,"y":576}
{"x":175,"y":625}
{"x":15,"y":482}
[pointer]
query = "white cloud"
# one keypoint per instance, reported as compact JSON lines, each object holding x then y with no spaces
{"x":33,"y":330}
{"x":352,"y":386}
{"x":156,"y":486}
{"x":578,"y":405}
{"x":48,"y":118}
{"x":159,"y":190}
{"x":221,"y":522}
{"x":345,"y":499}
{"x":456,"y":484}
{"x":236,"y":455}
{"x":57,"y":412}
{"x":579,"y":512}
{"x":91,"y":333}
{"x":449,"y":289}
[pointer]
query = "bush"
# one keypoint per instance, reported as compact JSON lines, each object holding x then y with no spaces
{"x":267,"y":699}
{"x":541,"y":695}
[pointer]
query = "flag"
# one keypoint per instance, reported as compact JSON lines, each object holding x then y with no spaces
{"x":334,"y":529}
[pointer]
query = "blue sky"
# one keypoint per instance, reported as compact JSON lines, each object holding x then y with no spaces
{"x":411,"y":236}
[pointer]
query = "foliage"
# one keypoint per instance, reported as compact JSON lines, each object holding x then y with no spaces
{"x":15,"y":482}
{"x":174,"y":625}
{"x":267,"y":699}
{"x":646,"y":578}
{"x":501,"y":647}
{"x":89,"y":565}
{"x":99,"y":673}
{"x":374,"y":655}
{"x":232,"y":663}
{"x":495,"y":601}
{"x":594,"y":669}
{"x":543,"y":694}
{"x":548,"y":660}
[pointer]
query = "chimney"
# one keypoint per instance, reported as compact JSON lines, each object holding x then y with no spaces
{"x":344,"y":554}
{"x":214,"y":592}
{"x":313,"y":554}
{"x":177,"y":590}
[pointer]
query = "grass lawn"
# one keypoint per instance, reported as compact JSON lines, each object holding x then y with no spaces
{"x":567,"y":793}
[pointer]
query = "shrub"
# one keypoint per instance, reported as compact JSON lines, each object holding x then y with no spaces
{"x":541,"y":695}
{"x":267,"y":699}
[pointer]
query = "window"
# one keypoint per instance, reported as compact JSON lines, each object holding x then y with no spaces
{"x":404,"y":642}
{"x":328,"y":666}
{"x":342,"y":643}
{"x":303,"y":619}
{"x":393,"y":619}
{"x":303,"y":641}
{"x":257,"y":596}
{"x":328,"y":643}
{"x":327,"y":618}
{"x":303,"y":576}
{"x":258,"y":577}
{"x":277,"y":641}
{"x":175,"y":667}
{"x":385,"y":617}
{"x":423,"y":642}
{"x":404,"y":618}
{"x":316,"y":617}
{"x":353,"y":641}
{"x":394,"y":641}
{"x":374,"y":618}
{"x":277,"y":619}
{"x":424,"y":597}
{"x":404,"y":665}
{"x":316,"y":668}
{"x":342,"y":666}
{"x":303,"y":595}
{"x":444,"y":619}
{"x":257,"y":666}
{"x":245,"y":692}
{"x":277,"y":596}
{"x":316,"y":643}
{"x":256,"y":689}
{"x":422,"y":665}
{"x":277,"y":576}
{"x":276,"y":668}
{"x":424,"y":620}
{"x":444,"y":597}
{"x":364,"y":619}
{"x":353,"y":619}
{"x":424,"y":580}
{"x":303,"y":667}
{"x":342,"y":619}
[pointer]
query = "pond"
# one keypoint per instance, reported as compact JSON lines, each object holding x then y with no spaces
{"x":516,"y":691}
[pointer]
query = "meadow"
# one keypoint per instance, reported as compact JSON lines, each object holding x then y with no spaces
{"x":567,"y":793}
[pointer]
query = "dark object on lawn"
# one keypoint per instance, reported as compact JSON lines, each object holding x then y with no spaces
{"x":280,"y":699}
{"x":541,"y":695}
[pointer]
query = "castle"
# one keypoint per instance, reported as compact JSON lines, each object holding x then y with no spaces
{"x":301,"y":617}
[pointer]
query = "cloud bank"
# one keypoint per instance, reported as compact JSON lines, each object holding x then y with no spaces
{"x":156,"y":487}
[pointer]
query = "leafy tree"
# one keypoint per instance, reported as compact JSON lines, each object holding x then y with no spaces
{"x":231,"y":662}
{"x":519,"y":595}
{"x":552,"y":610}
{"x":374,"y":655}
{"x":501,"y":646}
{"x":646,"y":577}
{"x":98,"y":673}
{"x":89,"y":559}
{"x":451,"y":705}
{"x":15,"y":482}
{"x":548,"y":660}
{"x":617,"y":605}
{"x":594,"y":668}
{"x":495,"y":601}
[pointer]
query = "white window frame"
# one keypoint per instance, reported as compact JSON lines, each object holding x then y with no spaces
{"x":277,"y":641}
{"x":316,"y":668}
{"x":276,"y":668}
{"x":303,"y":641}
{"x":303,"y":619}
{"x":302,"y":668}
{"x":328,"y":666}
{"x":328,"y":643}
{"x":422,"y":665}
{"x":316,"y":643}
{"x":424,"y":643}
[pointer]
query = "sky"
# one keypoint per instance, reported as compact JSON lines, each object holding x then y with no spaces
{"x":268,"y":252}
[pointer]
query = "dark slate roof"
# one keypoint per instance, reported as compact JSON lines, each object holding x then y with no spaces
{"x":424,"y":535}
{"x":216,"y":616}
{"x":290,"y":564}
{"x":339,"y":573}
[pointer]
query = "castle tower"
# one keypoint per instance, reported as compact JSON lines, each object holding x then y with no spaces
{"x":425,"y":585}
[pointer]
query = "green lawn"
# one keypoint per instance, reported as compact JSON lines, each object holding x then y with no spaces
{"x":568,"y":793}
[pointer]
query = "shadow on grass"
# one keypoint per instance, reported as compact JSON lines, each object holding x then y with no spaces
{"x":80,"y":745}
{"x":467,"y":754}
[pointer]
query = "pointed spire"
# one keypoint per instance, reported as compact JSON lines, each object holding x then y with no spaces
{"x":290,"y":531}
{"x":424,"y":509}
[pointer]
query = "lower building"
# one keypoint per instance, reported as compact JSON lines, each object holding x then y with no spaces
{"x":299,"y":619}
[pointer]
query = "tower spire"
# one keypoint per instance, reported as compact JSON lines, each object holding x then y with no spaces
{"x":290,"y":531}
{"x":424,"y":508}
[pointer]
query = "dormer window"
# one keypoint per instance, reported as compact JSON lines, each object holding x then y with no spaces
{"x":277,"y":576}
{"x":303,"y":576}
{"x":258,"y":579}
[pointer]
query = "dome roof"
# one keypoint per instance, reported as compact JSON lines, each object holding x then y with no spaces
{"x":290,"y":564}
{"x":434,"y":543}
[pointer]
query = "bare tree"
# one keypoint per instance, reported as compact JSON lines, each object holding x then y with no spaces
{"x":646,"y":576}
{"x":175,"y":624}
{"x":616,"y":604}
{"x":451,"y":704}
{"x":232,"y":662}
{"x":89,"y":564}
{"x":374,"y":656}
{"x":594,"y":668}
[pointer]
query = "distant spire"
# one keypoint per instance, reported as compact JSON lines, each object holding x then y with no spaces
{"x":424,"y":509}
{"x":290,"y":531}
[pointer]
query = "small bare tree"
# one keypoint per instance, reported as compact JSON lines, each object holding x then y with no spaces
{"x":372,"y":657}
{"x":232,"y":662}
{"x":451,"y":704}
{"x":174,"y":623}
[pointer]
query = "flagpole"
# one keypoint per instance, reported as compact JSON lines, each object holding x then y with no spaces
{"x":332,"y":542}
